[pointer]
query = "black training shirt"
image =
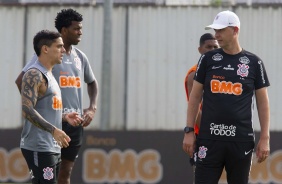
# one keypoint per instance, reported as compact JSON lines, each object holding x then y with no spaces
{"x":229,"y":83}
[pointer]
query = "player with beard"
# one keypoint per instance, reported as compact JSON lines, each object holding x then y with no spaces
{"x":70,"y":75}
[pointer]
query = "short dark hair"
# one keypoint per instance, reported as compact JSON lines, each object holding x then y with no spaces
{"x":44,"y":37}
{"x":65,"y":17}
{"x":205,"y":37}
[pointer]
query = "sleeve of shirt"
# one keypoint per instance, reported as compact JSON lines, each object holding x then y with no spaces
{"x":31,"y":62}
{"x":261,"y":79}
{"x":200,"y":74}
{"x":88,"y":73}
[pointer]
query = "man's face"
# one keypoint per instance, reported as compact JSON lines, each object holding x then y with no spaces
{"x":56,"y":51}
{"x":208,"y":46}
{"x":73,"y":33}
{"x":225,"y":36}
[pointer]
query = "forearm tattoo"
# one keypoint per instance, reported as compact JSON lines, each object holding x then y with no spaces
{"x":31,"y":82}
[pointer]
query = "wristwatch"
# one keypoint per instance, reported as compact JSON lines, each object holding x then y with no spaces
{"x":188,"y":129}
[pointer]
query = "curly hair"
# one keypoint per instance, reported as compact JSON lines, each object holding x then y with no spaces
{"x":65,"y":17}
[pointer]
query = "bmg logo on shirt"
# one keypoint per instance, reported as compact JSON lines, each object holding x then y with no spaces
{"x":223,"y":130}
{"x":69,"y":82}
{"x":226,"y":87}
{"x":57,"y":103}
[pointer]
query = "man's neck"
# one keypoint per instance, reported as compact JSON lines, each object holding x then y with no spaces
{"x":67,"y":47}
{"x":233,"y":49}
{"x":46,"y":63}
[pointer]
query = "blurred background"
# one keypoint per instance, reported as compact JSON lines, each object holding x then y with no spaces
{"x":140,"y":51}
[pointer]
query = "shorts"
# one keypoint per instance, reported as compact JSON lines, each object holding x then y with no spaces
{"x":214,"y":155}
{"x":76,"y":134}
{"x":44,"y":166}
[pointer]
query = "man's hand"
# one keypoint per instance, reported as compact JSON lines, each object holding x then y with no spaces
{"x":189,"y":143}
{"x":262,"y":151}
{"x":88,"y":115}
{"x":73,"y":119}
{"x":61,"y":137}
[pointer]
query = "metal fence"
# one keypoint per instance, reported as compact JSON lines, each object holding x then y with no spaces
{"x":152,"y":49}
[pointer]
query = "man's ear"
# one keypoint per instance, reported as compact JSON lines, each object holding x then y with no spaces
{"x":44,"y":49}
{"x":63,"y":30}
{"x":200,"y":50}
{"x":236,"y":30}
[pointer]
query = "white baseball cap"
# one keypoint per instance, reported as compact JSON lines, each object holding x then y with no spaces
{"x":224,"y":19}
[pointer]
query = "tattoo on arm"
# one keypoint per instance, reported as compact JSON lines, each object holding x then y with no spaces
{"x":31,"y":83}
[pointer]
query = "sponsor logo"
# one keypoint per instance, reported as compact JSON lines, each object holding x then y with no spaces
{"x":55,"y":143}
{"x":68,"y":62}
{"x":247,"y":152}
{"x":57,"y":103}
{"x":22,"y":141}
{"x":226,"y":87}
{"x":216,"y":67}
{"x":244,"y":60}
{"x":202,"y":153}
{"x":64,"y":73}
{"x":228,"y":68}
{"x":218,"y":77}
{"x":223,"y":130}
{"x":31,"y":174}
{"x":243,"y":70}
{"x":48,"y":173}
{"x":122,"y":166}
{"x":261,"y":72}
{"x":70,"y":81}
{"x":217,"y":57}
{"x":66,"y":111}
{"x":195,"y":157}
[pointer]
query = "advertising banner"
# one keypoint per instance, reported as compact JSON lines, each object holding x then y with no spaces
{"x":135,"y":157}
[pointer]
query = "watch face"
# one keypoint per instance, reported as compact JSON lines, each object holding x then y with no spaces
{"x":188,"y":129}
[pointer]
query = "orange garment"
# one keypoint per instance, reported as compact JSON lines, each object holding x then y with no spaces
{"x":192,"y":69}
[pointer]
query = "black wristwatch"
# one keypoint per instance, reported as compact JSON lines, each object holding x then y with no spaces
{"x":188,"y":129}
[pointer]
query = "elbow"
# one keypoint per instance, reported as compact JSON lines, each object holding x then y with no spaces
{"x":93,"y":85}
{"x":24,"y":114}
{"x":26,"y":111}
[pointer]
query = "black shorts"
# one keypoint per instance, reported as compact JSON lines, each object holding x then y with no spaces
{"x":213,"y":156}
{"x":44,"y":166}
{"x":76,"y":134}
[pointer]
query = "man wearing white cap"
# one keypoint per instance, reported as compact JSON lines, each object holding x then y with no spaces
{"x":227,"y":79}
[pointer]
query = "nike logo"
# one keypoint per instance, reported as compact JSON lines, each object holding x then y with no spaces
{"x":216,"y":67}
{"x":248,"y":152}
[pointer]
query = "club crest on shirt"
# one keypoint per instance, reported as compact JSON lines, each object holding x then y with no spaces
{"x":244,"y":60}
{"x":217,"y":57}
{"x":243,"y":70}
{"x":202,"y":153}
{"x":77,"y":63}
{"x":48,"y":173}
